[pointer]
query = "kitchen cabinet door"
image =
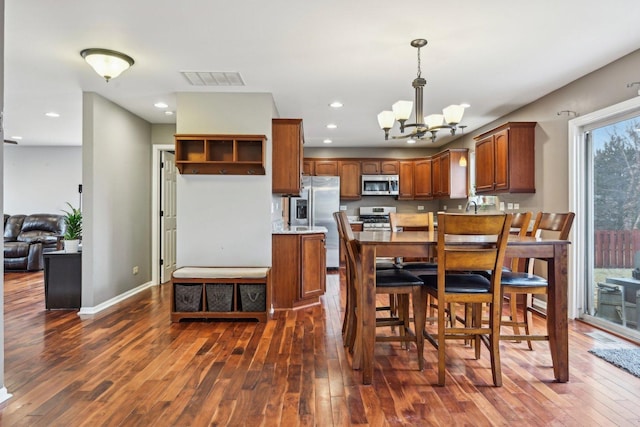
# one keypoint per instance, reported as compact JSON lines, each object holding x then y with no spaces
{"x":505,"y":159}
{"x":389,"y":167}
{"x":450,"y":174}
{"x":350,"y":181}
{"x":314,"y":267}
{"x":370,"y":167}
{"x":326,"y":167}
{"x":501,"y":153}
{"x":422,"y":179}
{"x":405,"y":191}
{"x":485,"y":167}
{"x":288,"y":139}
{"x":308,"y":167}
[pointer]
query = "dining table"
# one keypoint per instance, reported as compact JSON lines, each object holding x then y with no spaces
{"x":373,"y":244}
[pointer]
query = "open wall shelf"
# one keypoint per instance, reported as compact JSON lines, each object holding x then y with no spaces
{"x":220,"y":154}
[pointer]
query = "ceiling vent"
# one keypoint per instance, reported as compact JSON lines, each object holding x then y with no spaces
{"x":213,"y":78}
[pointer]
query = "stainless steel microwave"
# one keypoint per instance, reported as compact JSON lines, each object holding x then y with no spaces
{"x":380,"y":185}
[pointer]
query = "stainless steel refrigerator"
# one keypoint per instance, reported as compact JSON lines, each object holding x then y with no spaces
{"x":319,"y":199}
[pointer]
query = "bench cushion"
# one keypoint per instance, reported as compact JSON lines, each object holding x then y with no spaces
{"x":221,"y":273}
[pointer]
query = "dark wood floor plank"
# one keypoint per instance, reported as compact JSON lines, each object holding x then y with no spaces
{"x":130,"y":366}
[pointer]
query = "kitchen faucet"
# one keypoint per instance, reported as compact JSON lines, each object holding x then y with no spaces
{"x":475,"y":206}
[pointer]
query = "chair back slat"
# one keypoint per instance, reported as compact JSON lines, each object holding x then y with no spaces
{"x":556,"y":222}
{"x":411,"y":221}
{"x":461,"y":249}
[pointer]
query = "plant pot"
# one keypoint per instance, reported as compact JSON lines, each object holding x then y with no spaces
{"x":71,"y":246}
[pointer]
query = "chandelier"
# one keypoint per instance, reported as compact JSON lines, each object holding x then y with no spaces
{"x":424,"y":126}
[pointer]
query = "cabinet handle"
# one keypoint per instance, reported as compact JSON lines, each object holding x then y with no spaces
{"x":251,"y":172}
{"x":223,"y":171}
{"x":195,"y":171}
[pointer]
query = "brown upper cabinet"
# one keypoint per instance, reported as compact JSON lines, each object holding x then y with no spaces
{"x":505,"y":159}
{"x":288,"y":140}
{"x":380,"y":167}
{"x":422,"y":180}
{"x":450,"y":174}
{"x":415,"y":180}
{"x":441,"y":176}
{"x":326,"y":168}
{"x":405,"y":190}
{"x":350,"y":181}
{"x":220,"y":154}
{"x":308,"y":167}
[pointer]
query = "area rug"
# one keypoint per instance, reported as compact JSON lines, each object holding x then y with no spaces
{"x":625,"y":358}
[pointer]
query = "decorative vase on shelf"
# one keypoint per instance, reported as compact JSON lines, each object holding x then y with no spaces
{"x":71,"y":246}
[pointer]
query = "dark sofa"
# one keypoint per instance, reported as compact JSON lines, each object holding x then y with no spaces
{"x":27,"y":237}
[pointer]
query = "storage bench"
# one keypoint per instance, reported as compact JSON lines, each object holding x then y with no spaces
{"x":220,"y":293}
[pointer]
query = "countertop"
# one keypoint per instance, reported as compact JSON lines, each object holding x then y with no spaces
{"x":354,"y":220}
{"x":299,"y":229}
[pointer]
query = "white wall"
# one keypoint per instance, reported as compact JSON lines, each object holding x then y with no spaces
{"x":41,"y":179}
{"x":224,"y":220}
{"x":3,"y":391}
{"x":116,"y":200}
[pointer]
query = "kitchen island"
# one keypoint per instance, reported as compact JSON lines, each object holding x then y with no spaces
{"x":298,"y":272}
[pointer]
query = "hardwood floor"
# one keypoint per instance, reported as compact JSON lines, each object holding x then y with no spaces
{"x":130,"y":366}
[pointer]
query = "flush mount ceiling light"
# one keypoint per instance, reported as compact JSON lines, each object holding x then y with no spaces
{"x":449,"y":119}
{"x":107,"y":63}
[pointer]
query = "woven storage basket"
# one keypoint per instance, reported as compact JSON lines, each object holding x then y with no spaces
{"x":188,"y":296}
{"x":219,"y":296}
{"x":252,"y":297}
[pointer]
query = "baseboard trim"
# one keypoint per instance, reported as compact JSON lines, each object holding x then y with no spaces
{"x":4,"y":394}
{"x":114,"y":300}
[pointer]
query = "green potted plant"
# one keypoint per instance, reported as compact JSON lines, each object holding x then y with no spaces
{"x":73,"y":232}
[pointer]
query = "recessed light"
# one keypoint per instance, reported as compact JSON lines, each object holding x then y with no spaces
{"x":16,"y":137}
{"x":161,"y":105}
{"x":52,"y":114}
{"x":332,"y":126}
{"x":335,"y":104}
{"x":411,"y":141}
{"x":327,"y":141}
{"x":465,"y":105}
{"x":168,"y":113}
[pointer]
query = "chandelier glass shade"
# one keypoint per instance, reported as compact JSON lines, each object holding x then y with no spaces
{"x":424,"y":125}
{"x":107,"y":63}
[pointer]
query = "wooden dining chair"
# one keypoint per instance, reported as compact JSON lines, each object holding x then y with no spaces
{"x":414,"y":222}
{"x":523,"y":282}
{"x":520,"y":226}
{"x":469,"y":243}
{"x":400,"y":283}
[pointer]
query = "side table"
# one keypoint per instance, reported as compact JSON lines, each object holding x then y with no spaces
{"x":62,"y":280}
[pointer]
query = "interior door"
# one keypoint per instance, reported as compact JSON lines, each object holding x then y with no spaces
{"x":167,"y":216}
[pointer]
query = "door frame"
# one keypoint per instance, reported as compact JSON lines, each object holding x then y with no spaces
{"x":155,"y":209}
{"x":578,"y":200}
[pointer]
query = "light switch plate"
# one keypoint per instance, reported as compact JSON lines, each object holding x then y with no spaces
{"x":420,"y":208}
{"x":502,"y":206}
{"x":343,"y":207}
{"x":510,"y":206}
{"x":516,"y":206}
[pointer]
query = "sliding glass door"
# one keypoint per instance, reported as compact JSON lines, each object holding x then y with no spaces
{"x":612,"y":208}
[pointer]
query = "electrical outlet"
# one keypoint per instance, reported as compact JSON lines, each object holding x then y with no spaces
{"x":444,"y":207}
{"x":135,"y":270}
{"x":510,"y":206}
{"x":516,"y":206}
{"x":343,"y":207}
{"x":459,"y":207}
{"x":502,"y":206}
{"x":420,"y":208}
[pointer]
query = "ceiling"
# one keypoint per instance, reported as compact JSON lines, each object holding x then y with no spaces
{"x":496,"y":55}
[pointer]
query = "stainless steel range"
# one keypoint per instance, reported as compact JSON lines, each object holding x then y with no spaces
{"x":376,"y":218}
